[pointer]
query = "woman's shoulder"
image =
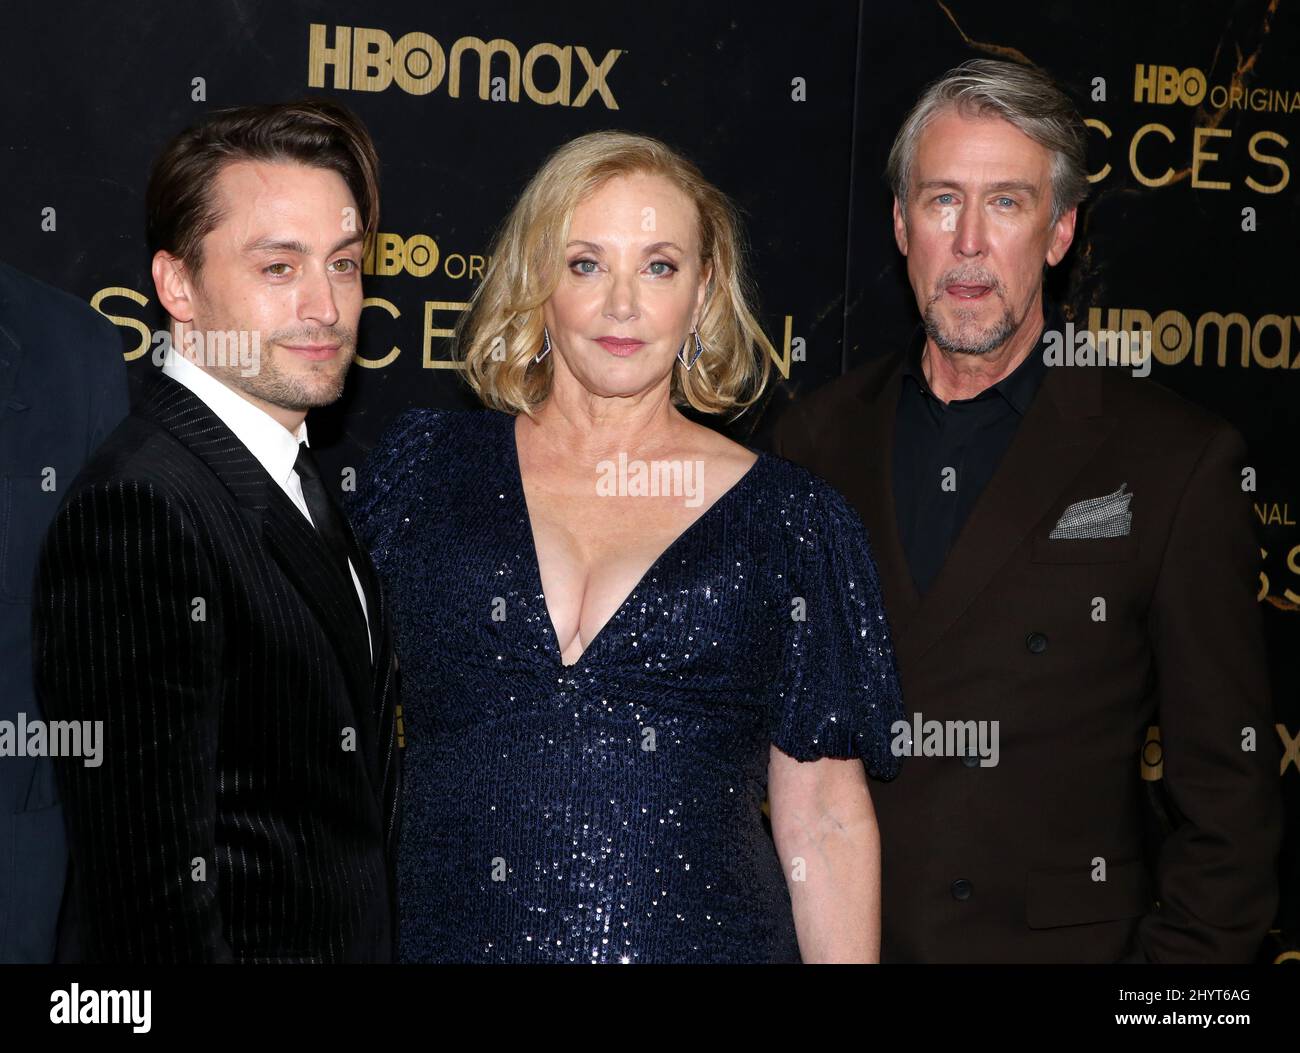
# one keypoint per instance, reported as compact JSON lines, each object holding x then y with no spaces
{"x":428,"y":427}
{"x":823,"y":534}
{"x":425,"y":430}
{"x":426,"y":450}
{"x":806,"y":493}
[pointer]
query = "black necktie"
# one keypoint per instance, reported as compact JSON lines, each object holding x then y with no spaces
{"x":327,"y":516}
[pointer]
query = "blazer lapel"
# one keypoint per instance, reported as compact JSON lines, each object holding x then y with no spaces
{"x":303,"y":556}
{"x":1062,"y":429}
{"x":296,"y":547}
{"x":871,"y":438}
{"x":383,"y":691}
{"x":383,"y":687}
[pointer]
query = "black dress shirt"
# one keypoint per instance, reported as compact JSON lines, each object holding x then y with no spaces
{"x":945,"y":454}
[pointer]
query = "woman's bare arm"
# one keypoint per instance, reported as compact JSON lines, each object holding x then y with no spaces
{"x":826,"y":837}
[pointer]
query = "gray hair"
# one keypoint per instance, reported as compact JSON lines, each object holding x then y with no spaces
{"x":1021,"y":95}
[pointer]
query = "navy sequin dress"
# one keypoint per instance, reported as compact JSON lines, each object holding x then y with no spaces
{"x":610,"y":811}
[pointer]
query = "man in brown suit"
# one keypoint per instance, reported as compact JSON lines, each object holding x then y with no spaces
{"x":1067,"y":558}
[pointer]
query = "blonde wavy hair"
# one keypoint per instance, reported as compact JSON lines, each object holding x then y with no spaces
{"x":501,"y":332}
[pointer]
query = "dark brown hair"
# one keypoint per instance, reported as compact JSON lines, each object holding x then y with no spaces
{"x":180,"y":205}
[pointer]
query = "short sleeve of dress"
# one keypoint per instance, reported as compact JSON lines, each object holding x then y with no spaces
{"x":838,"y":693}
{"x":373,"y":507}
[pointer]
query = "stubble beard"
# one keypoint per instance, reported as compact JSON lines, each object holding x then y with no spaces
{"x":320,"y":385}
{"x":964,"y":335}
{"x":296,"y":391}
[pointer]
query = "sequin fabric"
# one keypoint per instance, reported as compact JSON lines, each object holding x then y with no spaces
{"x":610,"y":811}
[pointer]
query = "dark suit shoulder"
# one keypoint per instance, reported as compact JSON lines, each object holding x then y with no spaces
{"x":48,"y":318}
{"x":860,"y":383}
{"x":139,"y":450}
{"x":812,"y":419}
{"x":142,"y":489}
{"x":1153,"y":412}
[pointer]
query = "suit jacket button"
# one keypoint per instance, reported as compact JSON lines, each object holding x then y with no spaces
{"x":961,"y":889}
{"x":1036,"y":642}
{"x":971,"y":760}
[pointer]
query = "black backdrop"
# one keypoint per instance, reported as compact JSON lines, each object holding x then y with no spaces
{"x":790,"y":108}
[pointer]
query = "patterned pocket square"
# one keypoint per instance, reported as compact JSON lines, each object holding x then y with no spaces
{"x":1106,"y":516}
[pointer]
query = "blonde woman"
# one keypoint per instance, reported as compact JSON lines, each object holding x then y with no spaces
{"x":619,"y":629}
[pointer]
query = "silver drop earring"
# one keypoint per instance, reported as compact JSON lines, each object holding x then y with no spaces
{"x":699,"y":350}
{"x":546,"y":346}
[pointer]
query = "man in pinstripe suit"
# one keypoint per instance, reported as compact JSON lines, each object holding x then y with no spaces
{"x":201,"y":594}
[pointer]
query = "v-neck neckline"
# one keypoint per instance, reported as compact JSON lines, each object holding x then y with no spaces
{"x":522,"y":495}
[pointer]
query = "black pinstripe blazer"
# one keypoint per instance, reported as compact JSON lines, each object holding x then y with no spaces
{"x":246,"y":807}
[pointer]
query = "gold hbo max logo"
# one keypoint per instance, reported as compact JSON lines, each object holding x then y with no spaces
{"x":363,"y":59}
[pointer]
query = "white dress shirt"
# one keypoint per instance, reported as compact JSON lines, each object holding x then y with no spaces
{"x":266,"y":438}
